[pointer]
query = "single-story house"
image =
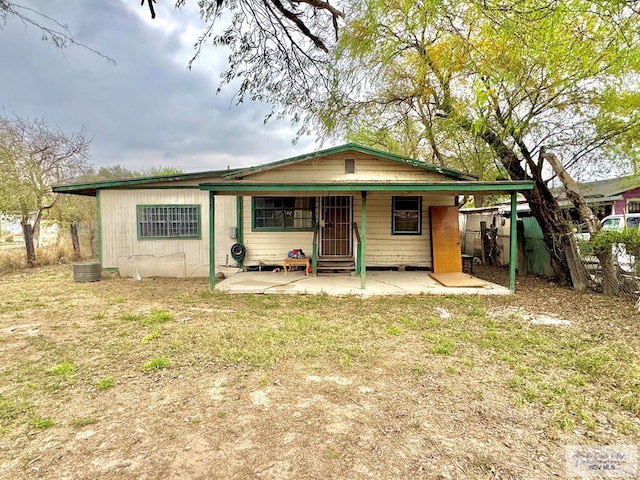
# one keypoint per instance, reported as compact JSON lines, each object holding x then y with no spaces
{"x":620,"y":195}
{"x":347,"y":207}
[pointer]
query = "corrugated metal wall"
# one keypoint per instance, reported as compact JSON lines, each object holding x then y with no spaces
{"x":536,"y":256}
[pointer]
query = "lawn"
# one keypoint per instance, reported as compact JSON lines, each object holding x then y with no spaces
{"x":162,"y":379}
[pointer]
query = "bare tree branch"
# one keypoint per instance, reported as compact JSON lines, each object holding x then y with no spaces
{"x":57,"y":34}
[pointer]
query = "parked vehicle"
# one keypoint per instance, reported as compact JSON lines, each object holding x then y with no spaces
{"x":620,"y":222}
{"x":624,"y":260}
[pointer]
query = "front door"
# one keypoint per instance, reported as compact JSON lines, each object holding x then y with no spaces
{"x":445,"y":240}
{"x":335,"y":226}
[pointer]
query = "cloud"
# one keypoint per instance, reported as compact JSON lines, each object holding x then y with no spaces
{"x":148,"y":110}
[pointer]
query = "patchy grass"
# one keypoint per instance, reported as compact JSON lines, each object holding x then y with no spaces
{"x":363,"y":377}
{"x":105,"y":383}
{"x":157,"y":363}
{"x":43,"y":423}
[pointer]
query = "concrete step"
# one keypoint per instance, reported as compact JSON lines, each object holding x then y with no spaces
{"x":335,"y":265}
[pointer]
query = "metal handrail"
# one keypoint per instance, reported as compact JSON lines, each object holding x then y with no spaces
{"x":359,"y":248}
{"x":356,"y":231}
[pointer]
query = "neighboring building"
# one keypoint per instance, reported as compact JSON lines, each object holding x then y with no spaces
{"x":346,"y":207}
{"x":619,"y":195}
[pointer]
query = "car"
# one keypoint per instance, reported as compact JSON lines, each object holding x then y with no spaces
{"x":624,"y":260}
{"x":620,"y":222}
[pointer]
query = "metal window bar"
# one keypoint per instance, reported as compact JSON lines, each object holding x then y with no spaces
{"x":284,"y":212}
{"x":168,"y":222}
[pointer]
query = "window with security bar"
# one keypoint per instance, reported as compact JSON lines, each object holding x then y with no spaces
{"x":168,"y":221}
{"x":283,"y":213}
{"x":633,"y":205}
{"x":407,"y":216}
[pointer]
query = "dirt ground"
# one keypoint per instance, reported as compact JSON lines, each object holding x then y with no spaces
{"x":316,"y":405}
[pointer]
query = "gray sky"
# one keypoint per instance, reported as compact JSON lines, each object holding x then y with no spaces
{"x":148,"y":110}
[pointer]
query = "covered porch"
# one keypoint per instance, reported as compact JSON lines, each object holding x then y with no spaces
{"x":378,"y":283}
{"x":364,"y":281}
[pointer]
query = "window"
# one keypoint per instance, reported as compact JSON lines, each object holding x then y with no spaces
{"x":407,"y":216}
{"x":614,"y":223}
{"x":349,"y":165}
{"x":633,"y":205}
{"x":633,"y":222}
{"x":168,"y":221}
{"x":283,"y":213}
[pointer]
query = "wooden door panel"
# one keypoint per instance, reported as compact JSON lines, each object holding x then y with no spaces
{"x":445,"y":240}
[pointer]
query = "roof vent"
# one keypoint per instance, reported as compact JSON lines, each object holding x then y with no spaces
{"x":349,"y":165}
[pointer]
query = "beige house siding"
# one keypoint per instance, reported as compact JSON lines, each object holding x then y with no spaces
{"x":383,"y":248}
{"x":270,"y":248}
{"x":386,"y":249}
{"x":331,"y":168}
{"x":122,"y":249}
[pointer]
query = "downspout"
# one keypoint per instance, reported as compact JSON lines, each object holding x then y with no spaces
{"x":99,"y":226}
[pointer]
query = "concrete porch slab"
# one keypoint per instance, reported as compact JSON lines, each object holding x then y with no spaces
{"x":378,"y":283}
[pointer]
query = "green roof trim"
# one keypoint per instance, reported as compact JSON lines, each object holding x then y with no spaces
{"x":89,"y":188}
{"x":230,"y":187}
{"x":346,"y":148}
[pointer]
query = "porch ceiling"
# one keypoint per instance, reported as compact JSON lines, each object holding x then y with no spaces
{"x":454,"y":188}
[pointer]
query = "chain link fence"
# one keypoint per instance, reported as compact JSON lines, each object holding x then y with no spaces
{"x":612,"y":262}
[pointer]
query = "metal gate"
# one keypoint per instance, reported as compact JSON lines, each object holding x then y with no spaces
{"x":335,"y":227}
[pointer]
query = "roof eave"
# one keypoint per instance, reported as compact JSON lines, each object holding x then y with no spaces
{"x":90,"y":188}
{"x":496,"y":187}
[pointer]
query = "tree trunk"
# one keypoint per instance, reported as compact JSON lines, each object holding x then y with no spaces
{"x":35,"y":229}
{"x":557,"y":236}
{"x":75,"y":241}
{"x":27,"y":232}
{"x":556,"y":232}
{"x":610,"y":284}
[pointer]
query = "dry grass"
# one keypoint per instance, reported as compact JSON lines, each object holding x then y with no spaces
{"x":14,"y":259}
{"x":163,"y":379}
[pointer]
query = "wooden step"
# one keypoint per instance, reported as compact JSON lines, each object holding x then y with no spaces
{"x":335,"y":265}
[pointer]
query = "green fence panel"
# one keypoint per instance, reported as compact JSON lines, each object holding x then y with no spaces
{"x":536,"y":256}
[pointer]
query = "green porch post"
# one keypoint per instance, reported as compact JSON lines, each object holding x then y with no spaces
{"x":99,"y":226}
{"x":239,"y":224}
{"x":513,"y":244}
{"x":239,"y":219}
{"x":363,"y":246}
{"x":314,"y":251}
{"x":212,"y":240}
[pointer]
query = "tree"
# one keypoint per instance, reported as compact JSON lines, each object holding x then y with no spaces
{"x":51,"y":29}
{"x":279,"y":51}
{"x":34,"y":156}
{"x":276,"y":46}
{"x":560,"y":75}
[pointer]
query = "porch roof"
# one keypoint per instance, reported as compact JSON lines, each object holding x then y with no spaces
{"x":454,"y":187}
